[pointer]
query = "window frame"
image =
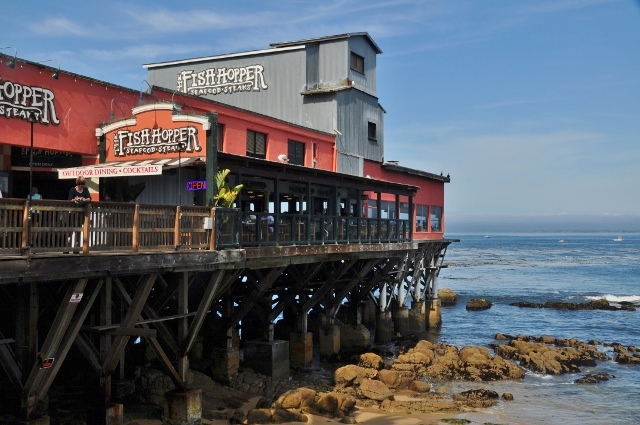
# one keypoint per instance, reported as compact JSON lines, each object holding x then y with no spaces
{"x":252,"y":134}
{"x":370,"y":136}
{"x":358,"y":66}
{"x":293,"y":159}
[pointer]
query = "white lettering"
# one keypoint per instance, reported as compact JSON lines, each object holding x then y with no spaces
{"x":18,"y":101}
{"x":222,"y":80}
{"x":157,"y":140}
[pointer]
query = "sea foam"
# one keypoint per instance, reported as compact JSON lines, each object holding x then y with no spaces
{"x":616,"y":298}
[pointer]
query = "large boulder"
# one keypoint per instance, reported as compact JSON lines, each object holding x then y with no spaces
{"x":477,"y":304}
{"x":334,"y":405}
{"x":543,"y":358}
{"x":477,"y":398}
{"x":274,"y":416}
{"x":594,"y":378}
{"x":371,"y":361}
{"x":391,"y":378}
{"x":296,"y":399}
{"x":447,"y":297}
{"x":349,"y":375}
{"x":627,"y":355}
{"x":374,"y":390}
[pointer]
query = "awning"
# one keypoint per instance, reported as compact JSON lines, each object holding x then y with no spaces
{"x":148,"y":167}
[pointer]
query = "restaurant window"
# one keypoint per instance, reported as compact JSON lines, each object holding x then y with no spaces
{"x":296,"y":153}
{"x":388,"y":209}
{"x":371,"y":131}
{"x":357,"y":63}
{"x":421,"y":218}
{"x":436,"y":219}
{"x":220,"y":134}
{"x":256,"y":144}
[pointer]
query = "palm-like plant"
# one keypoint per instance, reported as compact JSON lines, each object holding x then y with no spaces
{"x":226,"y":195}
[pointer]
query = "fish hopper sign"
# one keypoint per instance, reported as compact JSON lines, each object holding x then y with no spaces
{"x":153,"y":140}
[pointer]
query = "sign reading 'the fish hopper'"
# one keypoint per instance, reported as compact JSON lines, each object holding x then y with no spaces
{"x":155,"y":133}
{"x":141,"y":146}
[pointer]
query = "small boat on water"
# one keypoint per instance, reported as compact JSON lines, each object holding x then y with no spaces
{"x":561,"y":240}
{"x":618,"y":239}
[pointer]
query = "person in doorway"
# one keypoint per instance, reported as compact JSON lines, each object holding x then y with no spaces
{"x":79,"y":193}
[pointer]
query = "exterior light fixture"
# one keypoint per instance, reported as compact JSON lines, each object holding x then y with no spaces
{"x":112,"y":116}
{"x":11,"y":63}
{"x":56,"y":73}
{"x":141,"y":101}
{"x":176,"y":108}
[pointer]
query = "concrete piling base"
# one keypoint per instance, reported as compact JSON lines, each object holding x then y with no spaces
{"x":435,"y":314}
{"x":182,"y":408}
{"x":354,"y":337}
{"x":384,"y":328}
{"x":225,"y":363}
{"x":112,"y":414}
{"x":418,"y":318}
{"x":301,"y":349}
{"x":270,"y":358}
{"x":329,"y":341}
{"x":401,"y":320}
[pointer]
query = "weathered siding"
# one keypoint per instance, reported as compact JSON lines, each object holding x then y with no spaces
{"x":355,"y":110}
{"x":285,"y":75}
{"x":334,"y":63}
{"x":366,"y":82}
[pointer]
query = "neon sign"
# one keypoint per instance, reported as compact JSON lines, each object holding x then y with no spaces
{"x":197,"y":185}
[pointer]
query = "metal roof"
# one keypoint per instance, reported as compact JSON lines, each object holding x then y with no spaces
{"x":328,"y":38}
{"x":395,"y":167}
{"x":217,"y":57}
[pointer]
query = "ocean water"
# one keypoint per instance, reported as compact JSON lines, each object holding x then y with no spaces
{"x":507,"y":268}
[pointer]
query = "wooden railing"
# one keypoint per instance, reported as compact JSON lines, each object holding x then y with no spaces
{"x":61,"y":226}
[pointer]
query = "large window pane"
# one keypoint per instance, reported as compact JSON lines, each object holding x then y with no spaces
{"x":436,"y":219}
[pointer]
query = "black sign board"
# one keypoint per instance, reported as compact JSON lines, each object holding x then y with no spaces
{"x":44,"y":158}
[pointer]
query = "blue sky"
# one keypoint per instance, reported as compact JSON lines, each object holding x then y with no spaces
{"x":532,"y":107}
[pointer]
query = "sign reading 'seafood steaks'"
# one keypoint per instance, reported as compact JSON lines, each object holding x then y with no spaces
{"x":155,"y":133}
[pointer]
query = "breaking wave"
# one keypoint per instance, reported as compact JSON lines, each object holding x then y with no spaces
{"x":617,"y":299}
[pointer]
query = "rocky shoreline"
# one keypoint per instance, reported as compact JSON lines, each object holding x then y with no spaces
{"x":414,"y":382}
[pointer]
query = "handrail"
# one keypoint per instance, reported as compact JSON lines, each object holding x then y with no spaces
{"x":63,"y":226}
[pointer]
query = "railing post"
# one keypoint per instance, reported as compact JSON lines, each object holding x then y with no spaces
{"x":176,"y":228}
{"x":212,"y":234}
{"x":136,"y":229}
{"x":25,"y":228}
{"x":86,"y":228}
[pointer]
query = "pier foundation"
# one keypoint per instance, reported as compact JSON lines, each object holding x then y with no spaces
{"x":270,"y":358}
{"x":225,"y":363}
{"x":384,"y":328}
{"x":182,"y":408}
{"x":435,"y":314}
{"x":111,"y":414}
{"x":354,"y":337}
{"x":301,"y":349}
{"x":329,"y":341}
{"x":401,"y":320}
{"x":417,"y":318}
